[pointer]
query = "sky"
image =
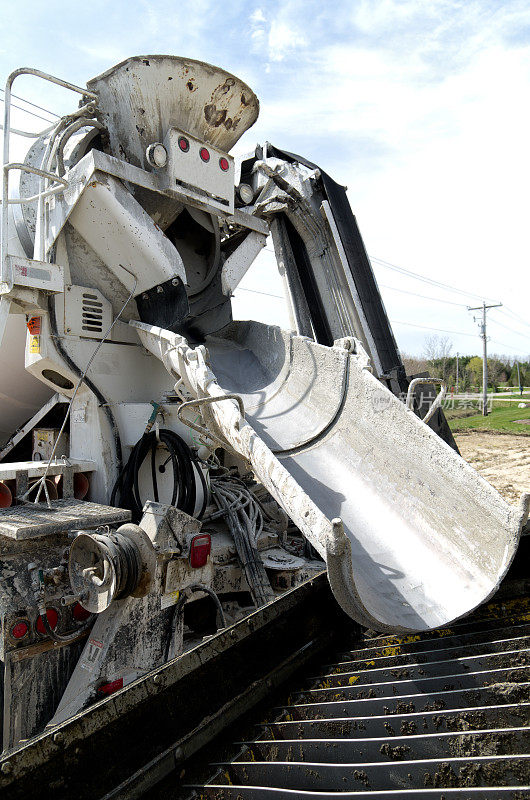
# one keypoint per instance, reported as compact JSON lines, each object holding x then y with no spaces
{"x":420,"y":108}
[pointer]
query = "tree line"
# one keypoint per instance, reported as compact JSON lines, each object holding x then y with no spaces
{"x":439,"y":362}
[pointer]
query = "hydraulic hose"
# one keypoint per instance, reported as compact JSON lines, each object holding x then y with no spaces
{"x":67,"y":637}
{"x":199,"y":587}
{"x":179,"y":608}
{"x":126,"y":491}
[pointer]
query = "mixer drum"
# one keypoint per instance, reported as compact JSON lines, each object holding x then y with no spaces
{"x":21,"y":395}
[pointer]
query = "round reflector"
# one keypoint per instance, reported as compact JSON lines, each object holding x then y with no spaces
{"x":223,"y":163}
{"x":81,"y":485}
{"x":246,"y":193}
{"x":19,"y":629}
{"x":184,"y":144}
{"x":53,"y":618}
{"x":6,"y":498}
{"x":79,"y":613}
{"x":204,"y":154}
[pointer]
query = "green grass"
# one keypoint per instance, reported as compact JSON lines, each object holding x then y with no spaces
{"x":501,"y":418}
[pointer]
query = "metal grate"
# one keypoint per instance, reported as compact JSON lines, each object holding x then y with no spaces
{"x":87,"y":313}
{"x":442,"y":714}
{"x":92,"y":313}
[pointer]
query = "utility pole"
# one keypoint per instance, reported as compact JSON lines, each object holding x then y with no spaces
{"x":457,"y":372}
{"x":484,"y":308}
{"x":519,"y":379}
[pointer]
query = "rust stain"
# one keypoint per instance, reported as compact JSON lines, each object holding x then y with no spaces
{"x":213,"y":116}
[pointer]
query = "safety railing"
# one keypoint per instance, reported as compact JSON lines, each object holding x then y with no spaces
{"x":46,"y":176}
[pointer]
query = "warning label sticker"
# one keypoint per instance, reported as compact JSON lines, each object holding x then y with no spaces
{"x":92,"y":653}
{"x":34,"y":324}
{"x":34,"y":344}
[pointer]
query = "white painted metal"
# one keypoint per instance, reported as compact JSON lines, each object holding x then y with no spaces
{"x":87,"y":312}
{"x":35,"y":469}
{"x":21,"y":395}
{"x":124,"y":236}
{"x":236,"y":265}
{"x":196,"y":176}
{"x":36,"y":274}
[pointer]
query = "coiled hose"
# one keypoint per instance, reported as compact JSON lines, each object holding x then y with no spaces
{"x":126,"y":491}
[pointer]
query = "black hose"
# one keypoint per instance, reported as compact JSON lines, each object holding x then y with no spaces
{"x":73,"y":366}
{"x":199,"y":587}
{"x":65,"y":638}
{"x":179,"y":608}
{"x":126,"y":491}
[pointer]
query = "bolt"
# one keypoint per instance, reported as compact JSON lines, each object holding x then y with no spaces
{"x":7,"y":767}
{"x":179,"y":753}
{"x":58,"y":738}
{"x":233,"y":634}
{"x":175,"y":282}
{"x":159,"y":289}
{"x":145,"y":296}
{"x":156,"y":679}
{"x":67,"y":330}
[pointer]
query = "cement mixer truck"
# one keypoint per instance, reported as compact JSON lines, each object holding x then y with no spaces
{"x":166,"y":469}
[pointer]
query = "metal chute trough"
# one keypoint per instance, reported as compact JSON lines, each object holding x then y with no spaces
{"x":413,"y":537}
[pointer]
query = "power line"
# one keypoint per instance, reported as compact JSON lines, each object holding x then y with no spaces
{"x":423,"y":278}
{"x":400,"y":322}
{"x":255,"y":291}
{"x":424,"y":296}
{"x":429,"y":328}
{"x":29,"y":103}
{"x":503,"y":344}
{"x":507,"y":312}
{"x":27,"y":111}
{"x":517,"y":333}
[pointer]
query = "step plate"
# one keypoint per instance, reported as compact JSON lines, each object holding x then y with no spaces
{"x":35,"y":520}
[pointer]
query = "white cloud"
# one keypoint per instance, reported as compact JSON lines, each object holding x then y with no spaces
{"x":283,"y":40}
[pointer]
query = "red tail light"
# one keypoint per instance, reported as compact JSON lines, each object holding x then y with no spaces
{"x":110,"y":688}
{"x":204,"y":154}
{"x":6,"y":497}
{"x":19,"y":629}
{"x":223,"y":163}
{"x":200,"y":548}
{"x":53,"y":619}
{"x":184,"y":144}
{"x":79,"y":613}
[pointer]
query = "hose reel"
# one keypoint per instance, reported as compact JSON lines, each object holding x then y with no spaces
{"x":111,"y":566}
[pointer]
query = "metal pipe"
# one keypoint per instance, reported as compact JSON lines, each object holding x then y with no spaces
{"x":83,"y":122}
{"x":30,"y":134}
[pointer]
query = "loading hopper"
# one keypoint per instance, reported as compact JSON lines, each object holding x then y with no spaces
{"x":143,"y":96}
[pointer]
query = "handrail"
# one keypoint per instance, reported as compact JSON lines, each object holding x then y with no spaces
{"x":6,"y":277}
{"x":438,"y":401}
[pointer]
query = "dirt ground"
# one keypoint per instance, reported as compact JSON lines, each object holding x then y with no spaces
{"x":502,"y":458}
